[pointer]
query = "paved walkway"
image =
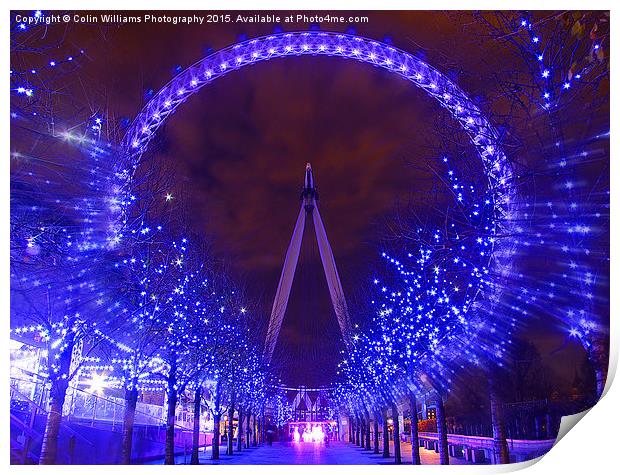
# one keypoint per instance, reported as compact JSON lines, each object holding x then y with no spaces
{"x":309,"y":453}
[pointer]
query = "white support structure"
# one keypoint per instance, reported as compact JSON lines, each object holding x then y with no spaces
{"x":309,"y":197}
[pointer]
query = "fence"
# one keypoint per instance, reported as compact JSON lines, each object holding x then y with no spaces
{"x":89,"y":407}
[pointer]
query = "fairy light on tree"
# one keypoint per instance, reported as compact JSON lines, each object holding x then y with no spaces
{"x":568,"y":212}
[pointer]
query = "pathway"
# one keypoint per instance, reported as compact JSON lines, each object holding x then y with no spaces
{"x":309,"y":453}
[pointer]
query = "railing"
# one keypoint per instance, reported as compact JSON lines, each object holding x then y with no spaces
{"x":89,"y":407}
{"x":31,"y":410}
{"x":486,"y":442}
{"x":522,"y":449}
{"x":85,"y":408}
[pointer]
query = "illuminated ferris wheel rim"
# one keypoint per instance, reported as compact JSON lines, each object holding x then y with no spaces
{"x":481,"y":133}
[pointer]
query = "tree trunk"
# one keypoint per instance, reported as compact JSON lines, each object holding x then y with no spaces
{"x":49,"y":447}
{"x":415,"y":440}
{"x":231,"y":415}
{"x":240,"y":429}
{"x":171,"y":418}
{"x":368,"y":431}
{"x":257,"y":429}
{"x":215,"y":443}
{"x":397,"y":456}
{"x":58,"y":392}
{"x":196,"y":428}
{"x":248,"y":429}
{"x":254,"y":432}
{"x":358,"y":430}
{"x":262,"y":425}
{"x":131,"y":399}
{"x":500,"y":445}
{"x":351,"y":439}
{"x":386,"y":434}
{"x":376,"y":434}
{"x":442,"y":432}
{"x":217,"y":417}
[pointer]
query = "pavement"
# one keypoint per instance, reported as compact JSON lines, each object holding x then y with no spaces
{"x":310,"y":453}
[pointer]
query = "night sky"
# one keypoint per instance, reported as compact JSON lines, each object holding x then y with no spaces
{"x":239,"y":148}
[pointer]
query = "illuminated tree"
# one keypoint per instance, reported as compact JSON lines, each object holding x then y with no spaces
{"x":564,"y":74}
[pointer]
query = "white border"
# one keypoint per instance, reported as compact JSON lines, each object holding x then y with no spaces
{"x":590,"y":448}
